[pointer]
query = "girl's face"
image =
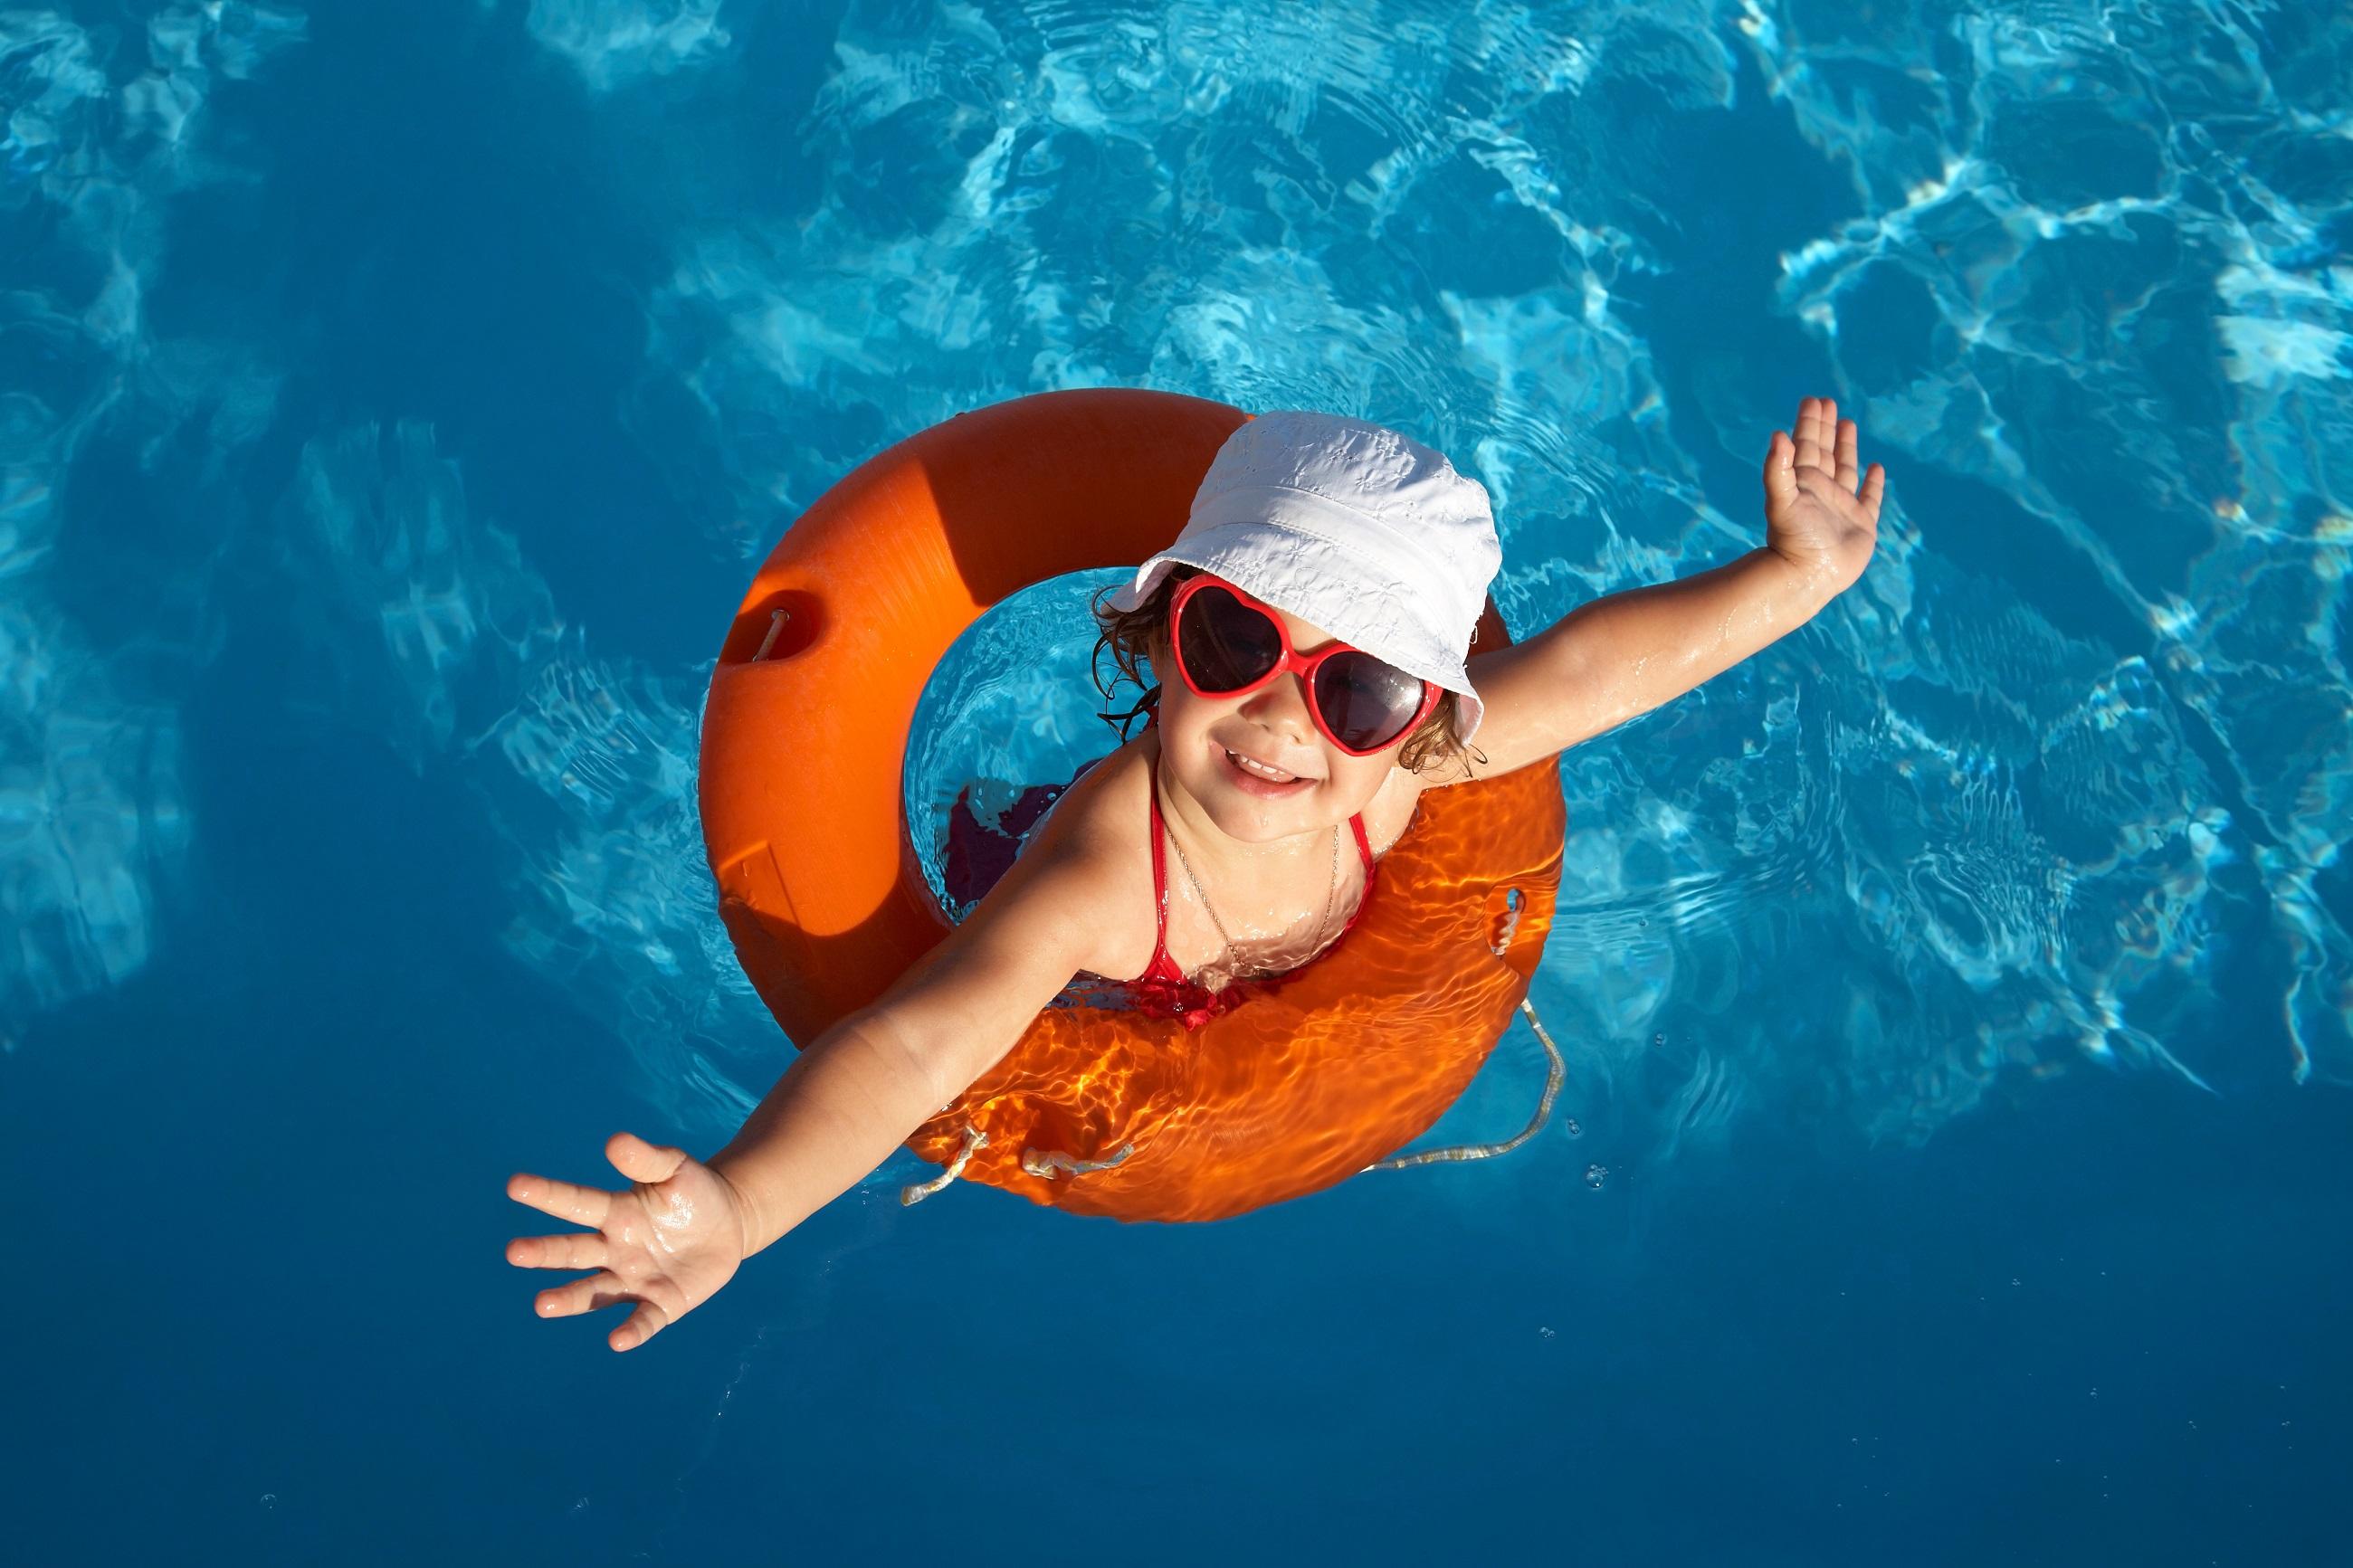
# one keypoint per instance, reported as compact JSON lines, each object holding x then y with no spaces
{"x":1205,"y":740}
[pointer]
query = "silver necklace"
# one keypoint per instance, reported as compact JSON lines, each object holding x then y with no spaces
{"x":1330,"y":893}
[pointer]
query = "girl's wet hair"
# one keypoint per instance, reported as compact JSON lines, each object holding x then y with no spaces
{"x":1129,"y":635}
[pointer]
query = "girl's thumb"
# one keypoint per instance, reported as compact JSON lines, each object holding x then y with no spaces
{"x":643,"y":1161}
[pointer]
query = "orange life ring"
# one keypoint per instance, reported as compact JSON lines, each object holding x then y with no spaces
{"x":1317,"y":1073}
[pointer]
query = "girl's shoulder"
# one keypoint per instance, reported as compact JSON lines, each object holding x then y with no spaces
{"x":1099,"y":828}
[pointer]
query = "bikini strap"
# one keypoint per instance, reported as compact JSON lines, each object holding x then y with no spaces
{"x":1159,"y":874}
{"x":1364,"y":845}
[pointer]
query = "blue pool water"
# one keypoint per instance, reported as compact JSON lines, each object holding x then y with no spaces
{"x":394,"y":400}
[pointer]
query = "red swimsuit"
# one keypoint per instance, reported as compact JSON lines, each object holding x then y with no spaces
{"x":977,"y":855}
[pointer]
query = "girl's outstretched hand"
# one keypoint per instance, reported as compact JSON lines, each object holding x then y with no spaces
{"x":667,"y":1243}
{"x":1814,"y":517}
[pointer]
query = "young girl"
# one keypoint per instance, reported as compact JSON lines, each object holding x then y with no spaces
{"x":1312,"y":625}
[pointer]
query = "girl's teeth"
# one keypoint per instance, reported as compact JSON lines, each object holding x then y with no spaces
{"x":1275,"y":775}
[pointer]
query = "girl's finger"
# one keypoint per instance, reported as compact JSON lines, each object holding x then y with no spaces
{"x":1809,"y":447}
{"x":643,"y":1325}
{"x":1846,"y":455}
{"x":1780,"y":483}
{"x":643,"y":1161}
{"x":1874,"y":485}
{"x":573,"y":1249}
{"x":578,"y":1296}
{"x":581,"y":1205}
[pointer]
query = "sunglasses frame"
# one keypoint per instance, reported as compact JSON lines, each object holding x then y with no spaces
{"x":1304,"y":665}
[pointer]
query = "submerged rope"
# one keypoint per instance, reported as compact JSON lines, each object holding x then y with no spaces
{"x":1047,"y":1164}
{"x":1551,"y":1075}
{"x":973,"y":1139}
{"x":1554,"y":1074}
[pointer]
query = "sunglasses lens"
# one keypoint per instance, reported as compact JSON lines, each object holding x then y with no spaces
{"x":1367,"y":701}
{"x":1224,"y":643}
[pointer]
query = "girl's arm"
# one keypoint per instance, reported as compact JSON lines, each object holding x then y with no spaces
{"x":1621,"y":656}
{"x":865,"y":1084}
{"x":677,"y":1234}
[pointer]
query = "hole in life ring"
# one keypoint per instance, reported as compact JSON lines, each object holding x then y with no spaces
{"x":1008,"y":716}
{"x":779,"y":626}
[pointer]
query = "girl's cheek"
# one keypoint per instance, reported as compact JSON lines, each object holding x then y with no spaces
{"x":1175,"y":710}
{"x":1351,"y":778}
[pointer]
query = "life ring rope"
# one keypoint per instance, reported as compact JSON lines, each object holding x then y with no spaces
{"x":1047,"y":1164}
{"x":973,"y":1138}
{"x":1554,"y":1074}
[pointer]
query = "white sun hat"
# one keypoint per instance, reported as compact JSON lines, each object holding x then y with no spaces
{"x":1356,"y":530}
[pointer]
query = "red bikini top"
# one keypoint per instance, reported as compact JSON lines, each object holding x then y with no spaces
{"x":1162,"y":990}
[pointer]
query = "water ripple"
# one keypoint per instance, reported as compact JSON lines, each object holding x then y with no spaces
{"x":583,"y":764}
{"x":99,"y":129}
{"x":2064,"y":294}
{"x":613,"y":43}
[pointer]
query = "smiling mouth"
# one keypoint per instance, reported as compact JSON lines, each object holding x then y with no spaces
{"x":1257,"y":769}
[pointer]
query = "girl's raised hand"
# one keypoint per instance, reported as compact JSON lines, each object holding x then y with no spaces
{"x":1814,"y":517}
{"x":667,"y":1243}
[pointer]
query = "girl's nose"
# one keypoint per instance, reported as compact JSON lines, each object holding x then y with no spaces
{"x":1281,"y":707}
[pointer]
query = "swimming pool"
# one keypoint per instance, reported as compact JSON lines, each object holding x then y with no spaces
{"x":1956,"y":995}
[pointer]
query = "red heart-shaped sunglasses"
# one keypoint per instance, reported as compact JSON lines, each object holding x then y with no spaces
{"x":1229,"y":645}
